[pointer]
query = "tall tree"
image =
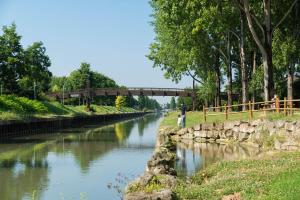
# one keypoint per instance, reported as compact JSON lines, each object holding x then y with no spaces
{"x":11,"y":59}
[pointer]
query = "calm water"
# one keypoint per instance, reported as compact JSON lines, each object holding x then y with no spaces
{"x":89,"y":163}
{"x":95,"y":162}
{"x":192,"y":157}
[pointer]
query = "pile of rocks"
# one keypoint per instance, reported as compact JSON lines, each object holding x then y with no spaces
{"x":159,"y":172}
{"x":286,"y":134}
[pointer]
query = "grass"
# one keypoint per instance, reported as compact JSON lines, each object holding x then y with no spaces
{"x":193,"y":118}
{"x":275,"y":176}
{"x":21,"y":108}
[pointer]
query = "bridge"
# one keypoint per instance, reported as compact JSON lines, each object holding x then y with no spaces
{"x":89,"y":93}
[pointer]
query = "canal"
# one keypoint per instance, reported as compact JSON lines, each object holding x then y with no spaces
{"x":96,"y":162}
{"x":87,"y":163}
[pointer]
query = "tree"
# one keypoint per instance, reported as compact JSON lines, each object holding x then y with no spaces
{"x":11,"y":59}
{"x":173,"y":103}
{"x":36,"y":76}
{"x":120,"y":102}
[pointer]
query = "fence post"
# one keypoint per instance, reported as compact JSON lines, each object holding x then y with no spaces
{"x":284,"y":106}
{"x":250,"y":110}
{"x":291,"y":106}
{"x":226,"y":111}
{"x":277,"y":104}
{"x":204,"y":113}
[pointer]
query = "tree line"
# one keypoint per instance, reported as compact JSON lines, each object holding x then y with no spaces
{"x":25,"y":72}
{"x":236,"y":46}
{"x":22,"y":70}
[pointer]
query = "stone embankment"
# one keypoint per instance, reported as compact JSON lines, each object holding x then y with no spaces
{"x":160,"y":176}
{"x":282,"y":135}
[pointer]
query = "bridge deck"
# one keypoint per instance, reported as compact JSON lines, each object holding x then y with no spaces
{"x":124,"y":92}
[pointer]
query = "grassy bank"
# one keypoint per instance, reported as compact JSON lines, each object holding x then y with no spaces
{"x":193,"y":118}
{"x":21,"y":108}
{"x":276,"y":176}
{"x":273,"y":175}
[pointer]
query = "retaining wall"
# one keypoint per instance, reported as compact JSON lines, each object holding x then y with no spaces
{"x":285,"y":135}
{"x":9,"y":129}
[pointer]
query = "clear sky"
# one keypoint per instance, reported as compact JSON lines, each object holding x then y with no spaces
{"x":112,"y":35}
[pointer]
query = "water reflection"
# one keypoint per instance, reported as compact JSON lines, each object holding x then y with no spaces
{"x":192,"y":157}
{"x":73,"y":162}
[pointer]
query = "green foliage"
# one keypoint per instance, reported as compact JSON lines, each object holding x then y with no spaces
{"x":173,"y":103}
{"x":120,"y":102}
{"x":20,"y":68}
{"x":145,"y":103}
{"x":13,"y":103}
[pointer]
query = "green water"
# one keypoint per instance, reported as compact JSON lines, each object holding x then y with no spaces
{"x":86,"y":163}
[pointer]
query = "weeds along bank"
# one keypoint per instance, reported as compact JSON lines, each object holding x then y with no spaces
{"x":22,"y":108}
{"x":274,"y":173}
{"x":20,"y":116}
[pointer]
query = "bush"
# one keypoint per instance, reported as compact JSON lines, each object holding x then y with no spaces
{"x":13,"y":103}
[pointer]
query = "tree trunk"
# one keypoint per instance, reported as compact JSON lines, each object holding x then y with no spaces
{"x":253,"y":72}
{"x":268,"y":46}
{"x":229,"y":75}
{"x":218,"y":80}
{"x":194,"y":95}
{"x":290,"y":80}
{"x":265,"y":48}
{"x":245,"y":95}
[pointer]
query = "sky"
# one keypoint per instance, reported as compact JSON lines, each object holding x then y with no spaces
{"x":112,"y":35}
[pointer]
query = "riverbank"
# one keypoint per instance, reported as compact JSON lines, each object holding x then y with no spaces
{"x":273,"y":173}
{"x":194,"y":118}
{"x":23,"y":109}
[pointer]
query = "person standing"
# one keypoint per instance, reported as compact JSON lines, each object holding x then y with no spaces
{"x":183,"y":115}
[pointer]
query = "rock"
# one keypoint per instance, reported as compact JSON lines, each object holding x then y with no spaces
{"x":188,"y":136}
{"x":236,"y":129}
{"x":207,"y":126}
{"x":197,"y":127}
{"x":219,"y":127}
{"x":290,"y":126}
{"x":243,"y":136}
{"x":210,"y":134}
{"x":277,"y":145}
{"x":222,"y":141}
{"x":279,"y":124}
{"x":197,"y":134}
{"x":256,"y":122}
{"x":230,"y":124}
{"x":175,"y":137}
{"x":182,"y":131}
{"x":270,"y":125}
{"x":201,"y":140}
{"x":222,"y":134}
{"x":244,"y":127}
{"x":229,"y":133}
{"x":190,"y":130}
{"x":165,"y":194}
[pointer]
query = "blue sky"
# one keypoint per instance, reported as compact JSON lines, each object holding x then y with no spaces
{"x":112,"y":35}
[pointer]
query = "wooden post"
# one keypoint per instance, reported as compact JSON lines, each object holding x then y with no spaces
{"x":226,"y":111}
{"x":291,"y":106}
{"x":204,"y":113}
{"x":250,"y":110}
{"x":284,"y":106}
{"x":277,"y":104}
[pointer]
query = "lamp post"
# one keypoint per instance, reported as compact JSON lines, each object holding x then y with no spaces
{"x":34,"y":90}
{"x":63,"y":100}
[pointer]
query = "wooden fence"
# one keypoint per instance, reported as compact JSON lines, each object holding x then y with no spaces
{"x":288,"y":107}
